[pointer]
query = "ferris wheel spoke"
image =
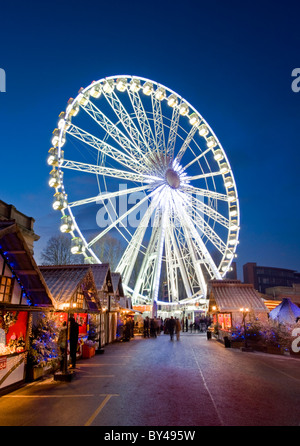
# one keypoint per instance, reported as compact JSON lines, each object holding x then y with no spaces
{"x":118,"y":220}
{"x":158,"y":125}
{"x":186,"y":143}
{"x":204,"y":227}
{"x":127,"y":261}
{"x":109,"y":172}
{"x":203,"y":175}
{"x":202,"y":154}
{"x":180,"y":258}
{"x":195,"y":255}
{"x":210,"y":212}
{"x":113,"y":131}
{"x":108,"y":195}
{"x":203,"y":253}
{"x":173,"y":132}
{"x":171,"y":267}
{"x":148,"y":278}
{"x":103,"y":147}
{"x":142,"y":118}
{"x":204,"y":192}
{"x":140,"y":144}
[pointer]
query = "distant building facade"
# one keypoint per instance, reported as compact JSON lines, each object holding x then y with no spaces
{"x":25,"y":224}
{"x":263,"y":277}
{"x":281,"y":292}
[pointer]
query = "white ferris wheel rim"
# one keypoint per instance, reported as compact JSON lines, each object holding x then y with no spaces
{"x":78,"y":232}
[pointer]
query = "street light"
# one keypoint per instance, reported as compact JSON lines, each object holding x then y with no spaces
{"x":244,"y":312}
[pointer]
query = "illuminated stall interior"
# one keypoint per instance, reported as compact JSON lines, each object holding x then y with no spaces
{"x":23,"y":291}
{"x":227,"y":299}
{"x":74,"y":291}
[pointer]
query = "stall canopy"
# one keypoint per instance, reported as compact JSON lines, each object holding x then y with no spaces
{"x":66,"y":281}
{"x":286,"y":312}
{"x":20,"y":260}
{"x":231,"y":295}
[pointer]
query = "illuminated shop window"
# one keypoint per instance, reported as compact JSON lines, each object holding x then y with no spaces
{"x":79,"y":299}
{"x":6,"y":286}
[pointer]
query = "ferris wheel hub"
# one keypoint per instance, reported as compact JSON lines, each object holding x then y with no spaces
{"x":172,"y":178}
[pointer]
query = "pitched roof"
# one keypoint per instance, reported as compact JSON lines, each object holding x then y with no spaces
{"x":63,"y":281}
{"x":285,"y":312}
{"x":116,"y":279}
{"x":18,"y":255}
{"x":231,"y":295}
{"x":101,"y":274}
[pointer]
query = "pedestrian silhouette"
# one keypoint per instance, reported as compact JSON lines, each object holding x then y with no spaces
{"x":178,"y":328}
{"x":74,"y":332}
{"x":171,"y":327}
{"x":146,"y":327}
{"x":62,"y":344}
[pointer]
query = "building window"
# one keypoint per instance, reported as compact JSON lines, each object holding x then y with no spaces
{"x":79,"y":299}
{"x":6,"y":286}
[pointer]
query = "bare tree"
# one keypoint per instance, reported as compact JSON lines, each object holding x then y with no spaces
{"x":109,"y":249}
{"x":58,"y":251}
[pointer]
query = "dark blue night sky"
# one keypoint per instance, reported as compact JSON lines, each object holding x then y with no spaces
{"x":231,"y":60}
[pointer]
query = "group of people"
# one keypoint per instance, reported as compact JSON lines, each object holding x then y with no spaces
{"x":153,"y":327}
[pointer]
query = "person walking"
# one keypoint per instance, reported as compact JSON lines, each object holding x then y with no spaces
{"x":62,"y":344}
{"x":178,"y":328}
{"x":74,"y":332}
{"x":146,"y":327}
{"x":171,"y":324}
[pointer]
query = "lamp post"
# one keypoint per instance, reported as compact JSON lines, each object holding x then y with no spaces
{"x":244,"y":312}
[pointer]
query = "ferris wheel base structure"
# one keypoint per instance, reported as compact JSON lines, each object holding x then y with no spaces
{"x":133,"y":132}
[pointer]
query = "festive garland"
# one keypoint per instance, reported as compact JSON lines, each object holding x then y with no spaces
{"x":8,"y":319}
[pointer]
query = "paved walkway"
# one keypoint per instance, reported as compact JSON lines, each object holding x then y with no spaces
{"x":158,"y":382}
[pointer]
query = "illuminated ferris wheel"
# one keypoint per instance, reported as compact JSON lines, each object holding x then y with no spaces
{"x":158,"y":170}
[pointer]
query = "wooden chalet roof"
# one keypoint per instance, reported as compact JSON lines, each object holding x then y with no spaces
{"x":64,"y":280}
{"x":116,"y":279}
{"x":231,"y":295}
{"x":16,"y":252}
{"x":102,"y":276}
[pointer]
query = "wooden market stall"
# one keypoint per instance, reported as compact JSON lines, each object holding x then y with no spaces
{"x":228,"y":302}
{"x":103,"y":282}
{"x":23,"y":292}
{"x":74,"y":291}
